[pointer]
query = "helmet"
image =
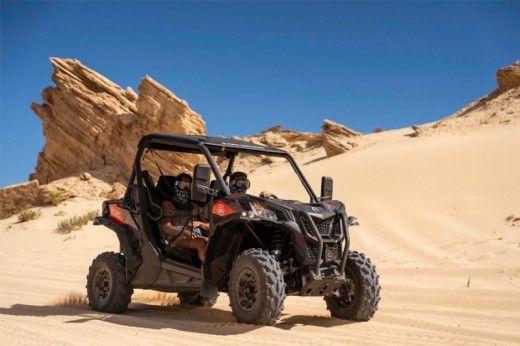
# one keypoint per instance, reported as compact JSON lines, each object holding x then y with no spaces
{"x":238,"y":182}
{"x":182,"y":188}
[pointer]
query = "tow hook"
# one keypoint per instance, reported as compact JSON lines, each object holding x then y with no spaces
{"x":352,"y":221}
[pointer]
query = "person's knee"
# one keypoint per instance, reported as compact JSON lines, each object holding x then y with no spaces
{"x":202,"y":242}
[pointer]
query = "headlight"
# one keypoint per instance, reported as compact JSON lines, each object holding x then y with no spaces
{"x":262,"y":211}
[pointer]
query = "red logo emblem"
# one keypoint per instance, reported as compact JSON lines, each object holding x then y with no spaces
{"x":222,"y":209}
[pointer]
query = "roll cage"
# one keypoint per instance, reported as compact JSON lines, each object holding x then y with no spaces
{"x":212,"y":146}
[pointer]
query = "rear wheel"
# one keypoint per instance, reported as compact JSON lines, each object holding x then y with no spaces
{"x":107,"y":289}
{"x":194,"y":298}
{"x":256,"y":288}
{"x":358,"y":299}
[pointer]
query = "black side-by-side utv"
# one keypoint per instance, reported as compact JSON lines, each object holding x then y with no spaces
{"x":258,"y":251}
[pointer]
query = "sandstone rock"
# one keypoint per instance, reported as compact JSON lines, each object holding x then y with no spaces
{"x":162,"y":109}
{"x":289,"y":140}
{"x":417,"y":131}
{"x":292,"y":141}
{"x":337,"y":138}
{"x":45,"y":192}
{"x":15,"y":197}
{"x":118,"y":191}
{"x":509,"y":77}
{"x":499,"y":107}
{"x":274,"y":140}
{"x":76,"y":187}
{"x":91,"y":123}
{"x":85,"y":176}
{"x":130,"y":94}
{"x":276,"y":128}
{"x":513,"y":220}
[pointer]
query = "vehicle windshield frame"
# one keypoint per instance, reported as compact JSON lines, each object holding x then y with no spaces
{"x":210,"y":147}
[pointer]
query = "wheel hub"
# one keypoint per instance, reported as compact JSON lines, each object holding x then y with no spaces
{"x":346,"y":293}
{"x":102,"y":284}
{"x":247,"y":289}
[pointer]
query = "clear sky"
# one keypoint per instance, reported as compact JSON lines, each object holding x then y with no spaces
{"x":247,"y":66}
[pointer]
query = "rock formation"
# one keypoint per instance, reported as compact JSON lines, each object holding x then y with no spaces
{"x":509,"y":77}
{"x":92,"y":127}
{"x":90,"y":123}
{"x":513,"y":220}
{"x":337,"y":138}
{"x":15,"y":197}
{"x":294,"y":142}
{"x":501,"y":106}
{"x":30,"y":194}
{"x":289,"y":140}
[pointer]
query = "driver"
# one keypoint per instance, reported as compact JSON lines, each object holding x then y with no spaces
{"x":238,"y":183}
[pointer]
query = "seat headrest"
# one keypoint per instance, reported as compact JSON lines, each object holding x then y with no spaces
{"x":165,"y":186}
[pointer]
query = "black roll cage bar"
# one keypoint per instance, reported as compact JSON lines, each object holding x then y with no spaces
{"x":211,"y":146}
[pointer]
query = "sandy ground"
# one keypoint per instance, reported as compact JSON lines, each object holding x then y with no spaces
{"x":433,"y":213}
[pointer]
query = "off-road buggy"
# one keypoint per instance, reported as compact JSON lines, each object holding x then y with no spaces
{"x":258,"y":252}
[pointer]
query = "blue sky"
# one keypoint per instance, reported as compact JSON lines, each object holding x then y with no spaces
{"x":247,"y":66}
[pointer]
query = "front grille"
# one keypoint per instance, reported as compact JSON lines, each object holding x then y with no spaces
{"x":328,"y":229}
{"x":330,"y":252}
{"x":313,"y":251}
{"x":329,"y":233}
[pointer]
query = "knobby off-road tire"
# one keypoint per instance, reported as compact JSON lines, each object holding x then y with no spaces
{"x":194,"y":298}
{"x":107,"y":289}
{"x":359,"y":298}
{"x":256,"y":288}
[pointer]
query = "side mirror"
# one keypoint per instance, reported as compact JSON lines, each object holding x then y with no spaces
{"x":326,"y":188}
{"x":200,"y":183}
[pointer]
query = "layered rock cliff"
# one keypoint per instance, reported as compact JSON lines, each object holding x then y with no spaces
{"x":90,"y":123}
{"x":337,"y":138}
{"x":93,"y":125}
{"x":509,"y":77}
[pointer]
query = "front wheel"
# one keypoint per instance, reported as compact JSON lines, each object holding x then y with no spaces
{"x":358,"y":298}
{"x":107,"y":289}
{"x":256,"y":288}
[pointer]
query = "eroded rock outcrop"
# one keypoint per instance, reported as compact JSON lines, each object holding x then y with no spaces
{"x":509,"y":77}
{"x":501,"y":106}
{"x":289,"y":140}
{"x":294,"y":142}
{"x":90,"y":123}
{"x":337,"y":138}
{"x":15,"y":197}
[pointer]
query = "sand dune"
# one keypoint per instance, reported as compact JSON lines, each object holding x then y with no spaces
{"x":433,"y":213}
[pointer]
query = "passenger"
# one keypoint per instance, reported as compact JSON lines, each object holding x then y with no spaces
{"x":238,"y":183}
{"x":184,"y":234}
{"x":182,"y":194}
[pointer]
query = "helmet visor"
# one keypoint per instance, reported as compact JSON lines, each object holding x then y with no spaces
{"x":241,"y":183}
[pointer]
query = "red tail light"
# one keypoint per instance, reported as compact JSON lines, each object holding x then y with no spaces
{"x":116,"y":213}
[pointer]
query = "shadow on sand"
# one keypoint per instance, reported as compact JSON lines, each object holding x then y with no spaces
{"x":186,"y":318}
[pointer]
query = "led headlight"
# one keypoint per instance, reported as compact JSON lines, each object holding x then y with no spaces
{"x":263,"y":212}
{"x":249,"y":214}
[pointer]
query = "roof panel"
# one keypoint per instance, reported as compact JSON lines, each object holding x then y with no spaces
{"x":189,"y":143}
